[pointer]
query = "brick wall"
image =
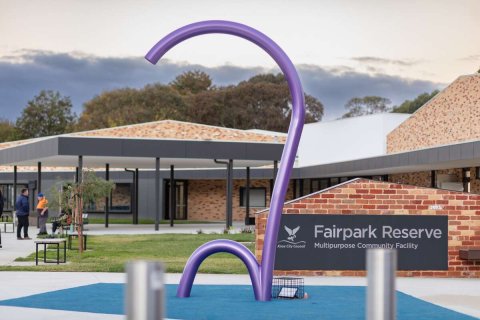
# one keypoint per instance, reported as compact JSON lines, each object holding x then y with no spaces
{"x":361,"y":196}
{"x":451,"y":116}
{"x":207,"y":199}
{"x":423,"y":178}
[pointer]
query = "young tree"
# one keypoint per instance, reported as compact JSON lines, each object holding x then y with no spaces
{"x":71,"y":197}
{"x":366,"y":105}
{"x":47,"y":114}
{"x":410,"y":106}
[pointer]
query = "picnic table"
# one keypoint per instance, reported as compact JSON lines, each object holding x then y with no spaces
{"x":5,"y":221}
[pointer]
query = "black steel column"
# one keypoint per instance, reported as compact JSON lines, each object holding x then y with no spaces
{"x":76,"y":175}
{"x":39,"y":177}
{"x":39,"y":189}
{"x":136,"y":195}
{"x":229,"y":193}
{"x":107,"y":199}
{"x":80,"y":169}
{"x":433,"y":177}
{"x":275,"y":170}
{"x":157,"y":193}
{"x":247,"y":198}
{"x":14,"y":190}
{"x":173,"y":203}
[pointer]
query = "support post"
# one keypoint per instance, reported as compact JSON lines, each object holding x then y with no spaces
{"x":247,"y":198}
{"x":229,"y":193}
{"x":79,"y":219}
{"x":107,"y":199}
{"x":80,"y":169}
{"x":14,"y":191}
{"x":39,"y":177}
{"x":275,"y":170}
{"x":76,"y":175}
{"x":381,"y":267}
{"x":173,"y":202}
{"x":39,"y":189}
{"x":137,"y":179}
{"x":157,"y":193}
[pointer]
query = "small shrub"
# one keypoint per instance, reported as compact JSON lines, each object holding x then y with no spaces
{"x":247,"y":229}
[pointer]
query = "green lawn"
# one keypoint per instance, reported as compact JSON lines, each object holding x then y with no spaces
{"x":110,"y":253}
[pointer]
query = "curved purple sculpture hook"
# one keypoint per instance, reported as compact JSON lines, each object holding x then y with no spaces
{"x":261,"y":274}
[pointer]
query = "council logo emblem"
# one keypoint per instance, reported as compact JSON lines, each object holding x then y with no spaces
{"x":289,"y":241}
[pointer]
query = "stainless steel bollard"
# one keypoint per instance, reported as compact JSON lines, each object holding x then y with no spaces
{"x":381,"y":298}
{"x":145,"y":292}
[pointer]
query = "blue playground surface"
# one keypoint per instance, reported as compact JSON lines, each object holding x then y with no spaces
{"x":235,"y":302}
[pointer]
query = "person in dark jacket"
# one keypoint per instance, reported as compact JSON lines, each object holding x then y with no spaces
{"x":22,"y":208}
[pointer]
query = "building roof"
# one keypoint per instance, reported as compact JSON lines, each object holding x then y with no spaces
{"x":187,"y":145}
{"x":179,"y":130}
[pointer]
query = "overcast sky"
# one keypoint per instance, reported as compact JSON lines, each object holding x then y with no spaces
{"x":342,"y":48}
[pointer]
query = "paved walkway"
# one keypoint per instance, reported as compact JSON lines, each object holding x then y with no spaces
{"x":462,"y":295}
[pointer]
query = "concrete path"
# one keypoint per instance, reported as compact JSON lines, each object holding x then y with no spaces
{"x":462,"y":295}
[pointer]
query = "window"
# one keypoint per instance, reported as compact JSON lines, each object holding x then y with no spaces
{"x":7,"y":193}
{"x":121,"y":198}
{"x":258,"y":197}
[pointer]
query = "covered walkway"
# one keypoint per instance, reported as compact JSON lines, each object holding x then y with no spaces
{"x":143,"y":154}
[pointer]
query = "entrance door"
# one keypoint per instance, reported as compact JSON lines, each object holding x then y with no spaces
{"x":181,"y":192}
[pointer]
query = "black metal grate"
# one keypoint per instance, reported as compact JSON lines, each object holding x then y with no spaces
{"x":288,"y":288}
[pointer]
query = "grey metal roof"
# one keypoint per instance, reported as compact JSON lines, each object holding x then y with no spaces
{"x":137,"y":152}
{"x":458,"y":155}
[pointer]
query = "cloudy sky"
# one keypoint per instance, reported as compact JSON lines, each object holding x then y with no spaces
{"x":342,"y":48}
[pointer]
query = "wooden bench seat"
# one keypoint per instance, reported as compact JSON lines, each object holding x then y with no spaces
{"x":470,"y":254}
{"x":75,"y":235}
{"x":46,"y":242}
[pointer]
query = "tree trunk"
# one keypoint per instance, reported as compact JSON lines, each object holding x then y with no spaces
{"x":80,"y":224}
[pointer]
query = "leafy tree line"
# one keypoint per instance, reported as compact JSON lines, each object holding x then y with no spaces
{"x":261,"y":102}
{"x":46,"y":114}
{"x":373,"y":104}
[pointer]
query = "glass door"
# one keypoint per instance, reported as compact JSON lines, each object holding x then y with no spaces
{"x":181,"y":196}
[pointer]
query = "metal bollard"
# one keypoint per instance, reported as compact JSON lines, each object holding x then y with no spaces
{"x":381,"y":300}
{"x":145,"y":292}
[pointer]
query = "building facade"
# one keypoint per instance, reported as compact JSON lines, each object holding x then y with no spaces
{"x":436,"y":147}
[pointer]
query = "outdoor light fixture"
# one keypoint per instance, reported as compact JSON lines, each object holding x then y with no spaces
{"x":261,"y":274}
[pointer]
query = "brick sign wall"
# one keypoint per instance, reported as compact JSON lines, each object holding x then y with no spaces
{"x":361,"y":196}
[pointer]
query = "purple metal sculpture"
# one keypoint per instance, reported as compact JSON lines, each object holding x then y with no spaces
{"x":260,"y":274}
